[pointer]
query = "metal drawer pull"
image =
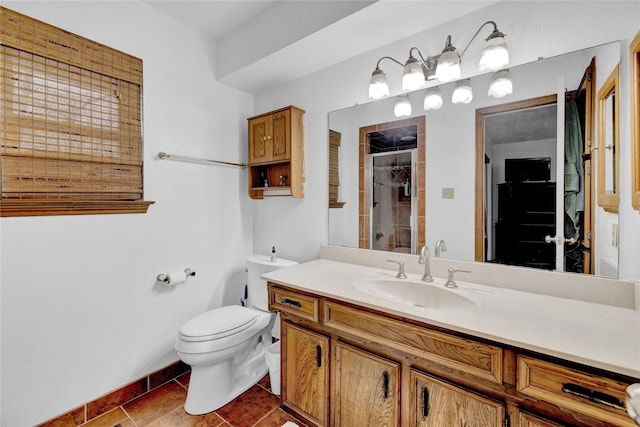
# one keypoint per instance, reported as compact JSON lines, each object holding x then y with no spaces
{"x":291,"y":303}
{"x":593,"y":396}
{"x":425,"y":402}
{"x":385,"y":385}
{"x":318,"y":356}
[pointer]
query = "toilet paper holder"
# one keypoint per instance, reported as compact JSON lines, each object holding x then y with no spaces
{"x":166,"y":278}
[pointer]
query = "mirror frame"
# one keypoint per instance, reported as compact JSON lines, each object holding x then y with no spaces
{"x":634,"y":59}
{"x":610,"y":202}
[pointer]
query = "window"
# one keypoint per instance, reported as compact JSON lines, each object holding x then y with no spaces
{"x":71,"y":123}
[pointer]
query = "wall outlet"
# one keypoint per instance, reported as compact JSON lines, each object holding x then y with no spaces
{"x":447,"y":192}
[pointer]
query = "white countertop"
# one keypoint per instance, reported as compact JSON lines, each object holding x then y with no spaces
{"x":597,"y":335}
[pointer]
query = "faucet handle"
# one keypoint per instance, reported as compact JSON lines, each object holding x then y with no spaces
{"x":401,"y":274}
{"x":451,"y":282}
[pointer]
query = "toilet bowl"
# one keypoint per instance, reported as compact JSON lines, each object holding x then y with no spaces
{"x":225,"y":347}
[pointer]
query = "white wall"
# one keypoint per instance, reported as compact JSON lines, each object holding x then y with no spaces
{"x":81,"y":312}
{"x":534,"y":29}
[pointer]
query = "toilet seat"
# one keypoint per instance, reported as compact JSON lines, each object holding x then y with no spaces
{"x":218,"y":323}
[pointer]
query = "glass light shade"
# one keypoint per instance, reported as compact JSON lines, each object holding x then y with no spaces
{"x":413,"y":77}
{"x":402,"y":108}
{"x":378,"y":86}
{"x":448,"y":66}
{"x":495,"y":55}
{"x":463,"y":93}
{"x":501,"y":84}
{"x":433,"y":99}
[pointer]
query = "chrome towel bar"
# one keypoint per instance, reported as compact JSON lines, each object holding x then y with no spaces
{"x":162,"y":155}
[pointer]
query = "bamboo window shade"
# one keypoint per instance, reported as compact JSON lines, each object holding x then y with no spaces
{"x":334,"y":169}
{"x":71,"y":122}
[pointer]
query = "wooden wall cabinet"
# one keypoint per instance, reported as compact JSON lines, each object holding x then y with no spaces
{"x":344,"y":365}
{"x":276,"y":153}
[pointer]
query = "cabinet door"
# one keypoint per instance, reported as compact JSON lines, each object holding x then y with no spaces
{"x":366,"y":389}
{"x":259,"y":144}
{"x":280,"y":138}
{"x":437,"y":403}
{"x":305,"y":367}
{"x":529,"y":420}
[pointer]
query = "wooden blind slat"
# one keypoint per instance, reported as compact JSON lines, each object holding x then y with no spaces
{"x":334,"y":166}
{"x":30,"y":35}
{"x":81,"y":178}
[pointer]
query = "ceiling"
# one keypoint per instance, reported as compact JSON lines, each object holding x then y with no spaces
{"x":266,"y":43}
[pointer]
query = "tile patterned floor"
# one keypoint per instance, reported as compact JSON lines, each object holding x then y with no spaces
{"x":164,"y":407}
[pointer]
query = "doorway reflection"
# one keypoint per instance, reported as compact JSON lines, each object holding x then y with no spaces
{"x":393,"y":201}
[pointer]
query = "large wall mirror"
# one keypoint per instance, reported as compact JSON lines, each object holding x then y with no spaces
{"x":527,"y":138}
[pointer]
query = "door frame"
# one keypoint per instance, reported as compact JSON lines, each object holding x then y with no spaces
{"x":481,"y":114}
{"x":364,"y":171}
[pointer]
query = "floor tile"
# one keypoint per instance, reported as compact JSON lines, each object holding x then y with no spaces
{"x":109,"y":419}
{"x":156,"y":404}
{"x":114,"y":399}
{"x":276,"y":418}
{"x":249,"y":407}
{"x":265,"y":382}
{"x":72,"y":418}
{"x":184,"y":379}
{"x":179,"y":418}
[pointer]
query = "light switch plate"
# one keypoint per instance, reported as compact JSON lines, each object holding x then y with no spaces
{"x":447,"y":192}
{"x":614,"y":235}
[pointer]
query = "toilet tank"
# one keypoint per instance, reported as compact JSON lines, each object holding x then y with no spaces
{"x":257,"y":265}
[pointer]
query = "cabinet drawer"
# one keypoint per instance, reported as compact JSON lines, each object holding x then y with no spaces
{"x":480,"y":360}
{"x":294,"y":303}
{"x":598,"y":397}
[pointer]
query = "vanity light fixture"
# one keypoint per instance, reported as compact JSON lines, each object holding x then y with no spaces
{"x":501,"y":84}
{"x":462,"y":93}
{"x":445,"y":66}
{"x":402,"y":107}
{"x":433,"y":99}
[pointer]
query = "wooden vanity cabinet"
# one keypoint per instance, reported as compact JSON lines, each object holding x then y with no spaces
{"x":344,"y":365}
{"x":276,"y":152}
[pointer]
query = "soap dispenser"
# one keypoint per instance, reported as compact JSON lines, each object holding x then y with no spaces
{"x":273,"y":254}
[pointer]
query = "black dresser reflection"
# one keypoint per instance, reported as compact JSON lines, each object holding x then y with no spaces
{"x":526,"y":214}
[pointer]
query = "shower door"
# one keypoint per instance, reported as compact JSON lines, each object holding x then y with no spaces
{"x":393,"y":206}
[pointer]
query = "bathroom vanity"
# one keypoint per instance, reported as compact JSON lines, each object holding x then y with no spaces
{"x":357,"y":352}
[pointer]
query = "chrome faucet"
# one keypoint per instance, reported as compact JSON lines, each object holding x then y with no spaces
{"x":441,"y":246}
{"x":425,"y":258}
{"x":451,"y":282}
{"x":401,"y":274}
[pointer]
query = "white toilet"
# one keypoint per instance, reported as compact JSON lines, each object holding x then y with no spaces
{"x":225,"y":346}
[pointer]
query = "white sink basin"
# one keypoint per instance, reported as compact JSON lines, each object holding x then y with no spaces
{"x":414,"y":293}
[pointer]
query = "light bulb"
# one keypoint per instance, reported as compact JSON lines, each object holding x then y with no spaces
{"x":402,"y":107}
{"x":378,"y":86}
{"x":495,"y":55}
{"x":501,"y":84}
{"x":463,"y":93}
{"x":433,"y":99}
{"x":413,"y":77}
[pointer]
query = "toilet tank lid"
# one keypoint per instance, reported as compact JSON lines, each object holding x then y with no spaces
{"x":265,"y":260}
{"x":219,"y":323}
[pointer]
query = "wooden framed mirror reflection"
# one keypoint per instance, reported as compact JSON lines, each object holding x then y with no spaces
{"x":634,"y":59}
{"x":608,"y":142}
